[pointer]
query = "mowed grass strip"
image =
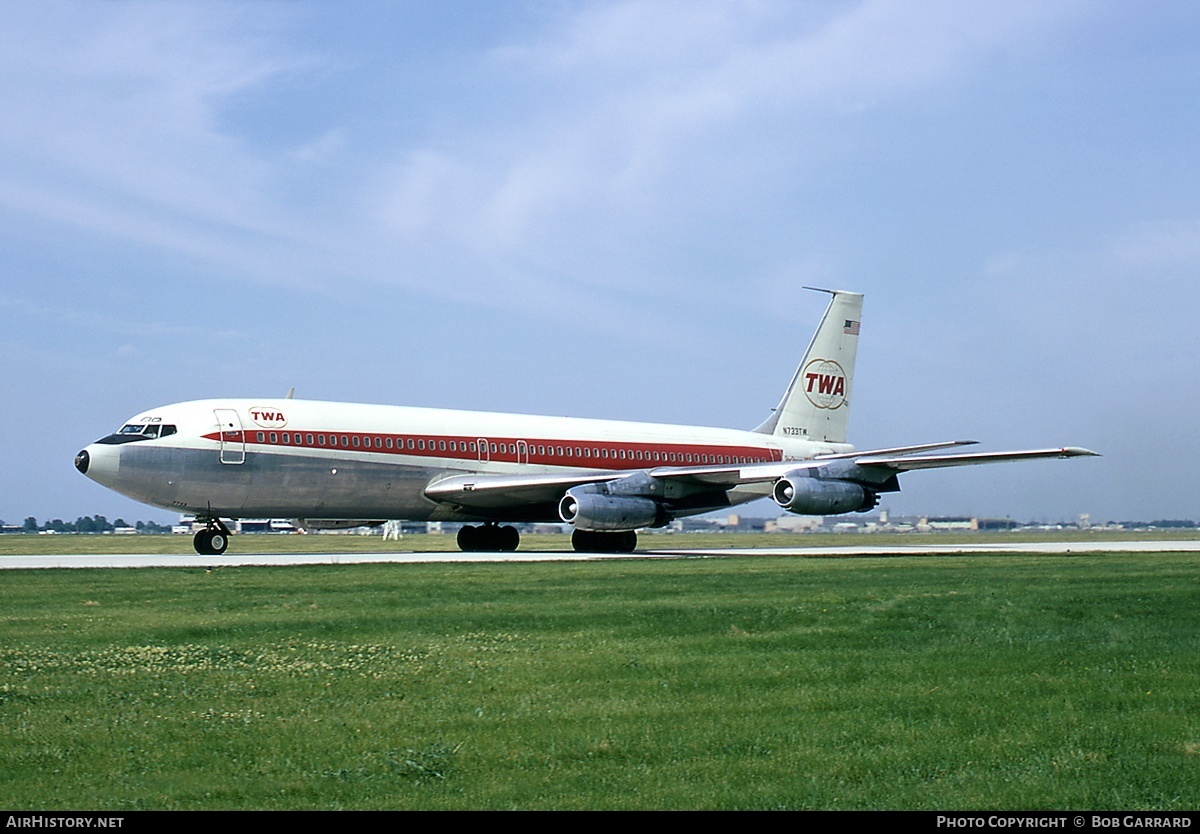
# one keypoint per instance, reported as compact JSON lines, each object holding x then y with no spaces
{"x":19,"y":544}
{"x":913,"y":682}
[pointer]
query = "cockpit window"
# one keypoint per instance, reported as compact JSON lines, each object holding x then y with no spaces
{"x":139,"y":431}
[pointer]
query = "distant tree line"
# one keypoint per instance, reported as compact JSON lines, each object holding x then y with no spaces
{"x":84,"y":524}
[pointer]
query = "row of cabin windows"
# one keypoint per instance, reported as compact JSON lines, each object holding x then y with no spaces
{"x":361,"y":442}
{"x":354,"y":441}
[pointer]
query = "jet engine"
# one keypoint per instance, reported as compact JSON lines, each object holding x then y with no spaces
{"x":797,"y":493}
{"x":596,"y":512}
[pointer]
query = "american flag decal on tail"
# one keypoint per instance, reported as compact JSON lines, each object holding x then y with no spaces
{"x":851,"y":328}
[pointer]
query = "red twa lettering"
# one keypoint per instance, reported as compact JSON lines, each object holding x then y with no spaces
{"x":268,"y":418}
{"x":827,"y":383}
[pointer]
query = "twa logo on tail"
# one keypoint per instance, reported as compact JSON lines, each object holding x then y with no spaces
{"x":825,"y":383}
{"x":268,"y":418}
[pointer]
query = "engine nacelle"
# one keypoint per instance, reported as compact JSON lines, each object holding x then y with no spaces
{"x":597,"y":512}
{"x":813,"y":496}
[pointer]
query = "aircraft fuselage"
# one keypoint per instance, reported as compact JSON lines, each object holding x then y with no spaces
{"x":322,"y":460}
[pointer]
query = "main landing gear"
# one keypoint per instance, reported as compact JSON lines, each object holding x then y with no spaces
{"x":490,"y":536}
{"x":213,"y":540}
{"x":589,"y":541}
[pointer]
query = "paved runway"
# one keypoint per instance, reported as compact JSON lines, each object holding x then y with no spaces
{"x":232,"y":559}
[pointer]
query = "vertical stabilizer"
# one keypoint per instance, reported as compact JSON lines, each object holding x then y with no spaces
{"x":816,"y":405}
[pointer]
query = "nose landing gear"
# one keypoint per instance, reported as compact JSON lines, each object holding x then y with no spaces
{"x":213,"y":540}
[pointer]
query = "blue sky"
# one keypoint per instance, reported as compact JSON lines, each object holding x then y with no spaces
{"x":609,"y":209}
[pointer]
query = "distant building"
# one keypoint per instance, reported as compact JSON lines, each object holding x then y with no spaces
{"x":993,"y":524}
{"x":955,"y":523}
{"x":794,"y":524}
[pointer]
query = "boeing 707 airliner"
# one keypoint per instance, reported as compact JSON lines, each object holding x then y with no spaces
{"x":342,"y":464}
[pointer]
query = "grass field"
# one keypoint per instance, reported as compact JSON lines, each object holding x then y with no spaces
{"x":907,"y":682}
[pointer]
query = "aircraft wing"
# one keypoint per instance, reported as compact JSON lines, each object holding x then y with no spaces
{"x":498,"y":492}
{"x":900,"y":463}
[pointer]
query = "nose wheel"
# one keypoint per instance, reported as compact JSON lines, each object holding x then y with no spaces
{"x":213,"y":540}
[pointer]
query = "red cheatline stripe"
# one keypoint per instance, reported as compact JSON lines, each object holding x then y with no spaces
{"x":605,"y":455}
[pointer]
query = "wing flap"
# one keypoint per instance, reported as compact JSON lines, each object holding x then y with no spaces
{"x":497,"y":491}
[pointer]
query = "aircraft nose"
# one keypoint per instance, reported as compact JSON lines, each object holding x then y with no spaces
{"x":100,"y":463}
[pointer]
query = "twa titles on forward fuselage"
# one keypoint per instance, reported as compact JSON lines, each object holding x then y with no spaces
{"x":338,"y":464}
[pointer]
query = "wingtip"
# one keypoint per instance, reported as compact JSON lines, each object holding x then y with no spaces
{"x":1078,"y":452}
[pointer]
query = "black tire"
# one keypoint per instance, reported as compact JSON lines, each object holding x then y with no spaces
{"x":507,"y":539}
{"x":586,"y":541}
{"x":210,"y":542}
{"x":468,"y":539}
{"x":589,"y":541}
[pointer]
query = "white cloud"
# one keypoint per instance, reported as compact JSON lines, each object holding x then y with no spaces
{"x":649,"y":102}
{"x":630,"y":120}
{"x":1163,"y":245}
